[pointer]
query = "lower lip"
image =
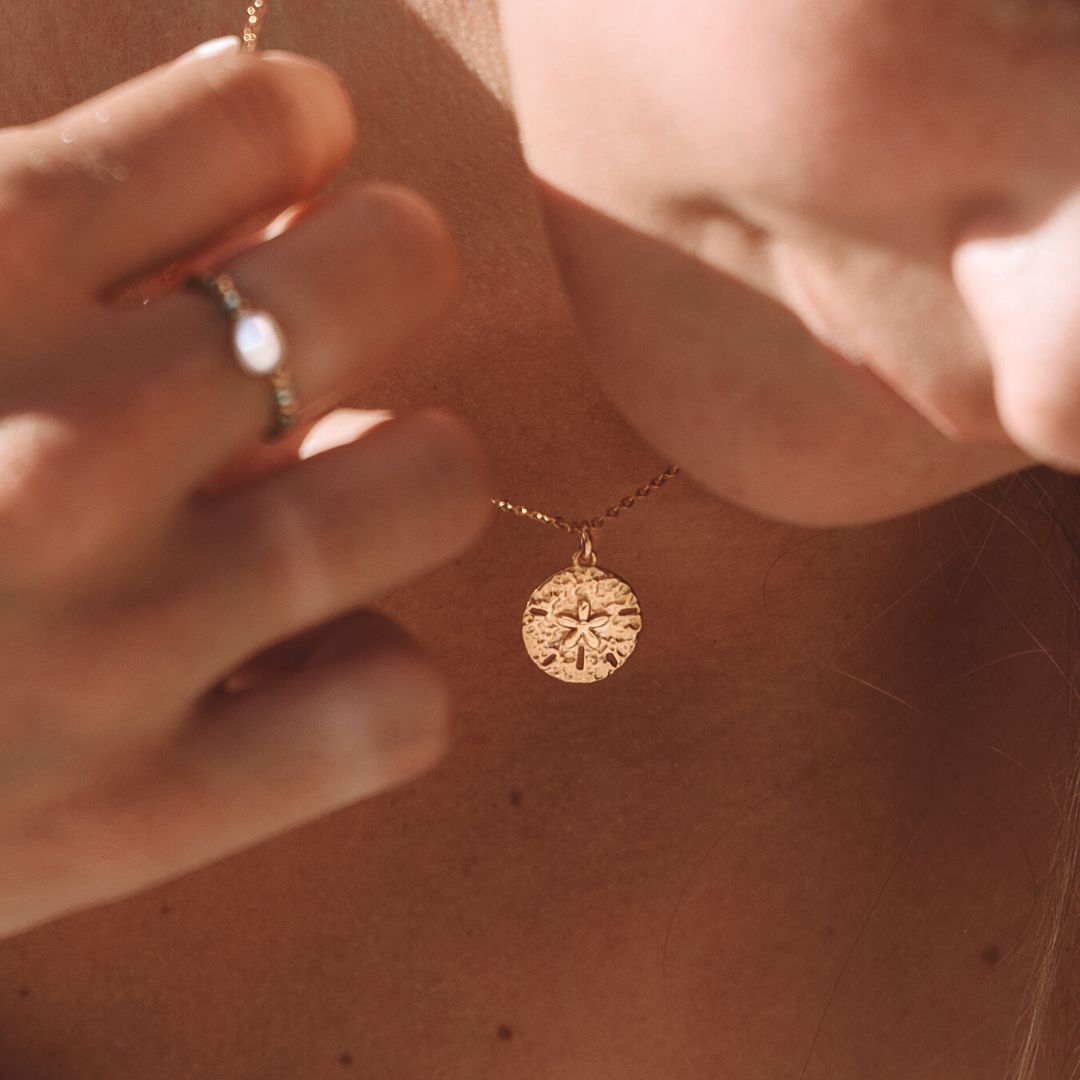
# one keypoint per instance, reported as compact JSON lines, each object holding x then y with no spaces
{"x":851,"y":363}
{"x":859,"y":372}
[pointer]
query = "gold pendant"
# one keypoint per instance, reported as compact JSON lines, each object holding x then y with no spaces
{"x":583,"y":622}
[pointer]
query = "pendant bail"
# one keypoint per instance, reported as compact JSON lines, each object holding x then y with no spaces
{"x":585,"y":556}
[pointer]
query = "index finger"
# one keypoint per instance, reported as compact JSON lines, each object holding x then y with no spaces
{"x":161,"y":166}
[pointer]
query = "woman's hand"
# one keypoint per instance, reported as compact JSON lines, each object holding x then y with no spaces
{"x":132,"y":588}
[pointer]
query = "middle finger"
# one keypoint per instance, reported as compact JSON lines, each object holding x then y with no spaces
{"x":164,"y":164}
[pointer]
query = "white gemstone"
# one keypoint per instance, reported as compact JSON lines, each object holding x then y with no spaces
{"x":259,"y":344}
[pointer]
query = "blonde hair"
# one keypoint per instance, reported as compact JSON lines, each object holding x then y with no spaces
{"x":1044,"y":1029}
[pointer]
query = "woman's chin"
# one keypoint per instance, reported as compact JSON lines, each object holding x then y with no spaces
{"x":807,"y":473}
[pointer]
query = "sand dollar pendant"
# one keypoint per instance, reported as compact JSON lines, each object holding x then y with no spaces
{"x":583,"y":622}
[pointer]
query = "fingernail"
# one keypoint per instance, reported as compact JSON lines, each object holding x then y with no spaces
{"x":214,"y":47}
{"x":339,"y":428}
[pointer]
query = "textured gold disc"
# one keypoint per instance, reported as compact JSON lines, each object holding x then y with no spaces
{"x":581,"y":624}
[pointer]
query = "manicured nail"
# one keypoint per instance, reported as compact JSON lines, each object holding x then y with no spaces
{"x":340,"y":428}
{"x":230,"y":43}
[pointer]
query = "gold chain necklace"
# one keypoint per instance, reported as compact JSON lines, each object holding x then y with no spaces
{"x":583,"y":622}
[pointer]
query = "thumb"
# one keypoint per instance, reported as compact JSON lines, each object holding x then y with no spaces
{"x":362,"y":710}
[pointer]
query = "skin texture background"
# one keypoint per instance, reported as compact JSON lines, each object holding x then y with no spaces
{"x":797,"y":836}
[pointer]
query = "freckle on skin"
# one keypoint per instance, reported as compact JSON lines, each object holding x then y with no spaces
{"x":166,"y":909}
{"x":505,"y":1033}
{"x":990,"y":955}
{"x":515,"y":797}
{"x":24,"y":991}
{"x":345,"y":1059}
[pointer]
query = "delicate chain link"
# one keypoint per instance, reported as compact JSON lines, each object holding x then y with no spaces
{"x":253,"y":24}
{"x":594,"y":523}
{"x":252,"y":28}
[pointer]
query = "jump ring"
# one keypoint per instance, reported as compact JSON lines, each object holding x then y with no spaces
{"x":258,"y":345}
{"x":585,"y":556}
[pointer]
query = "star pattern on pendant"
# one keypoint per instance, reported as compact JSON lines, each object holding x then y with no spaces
{"x":581,"y":624}
{"x":582,"y":627}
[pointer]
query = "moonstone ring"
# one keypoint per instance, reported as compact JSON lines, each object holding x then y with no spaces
{"x":258,"y":344}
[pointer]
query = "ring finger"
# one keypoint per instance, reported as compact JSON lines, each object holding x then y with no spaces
{"x":360,"y":279}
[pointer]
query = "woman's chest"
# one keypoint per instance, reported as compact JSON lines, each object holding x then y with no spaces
{"x":660,"y":891}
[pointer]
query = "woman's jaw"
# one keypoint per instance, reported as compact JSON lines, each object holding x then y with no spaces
{"x":739,"y":195}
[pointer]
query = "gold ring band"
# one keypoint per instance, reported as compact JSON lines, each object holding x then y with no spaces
{"x":258,"y":345}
